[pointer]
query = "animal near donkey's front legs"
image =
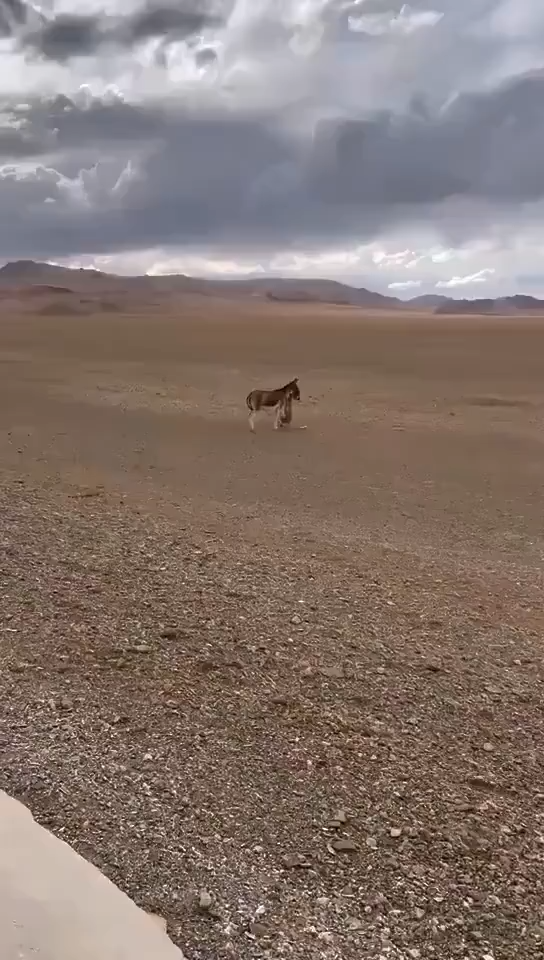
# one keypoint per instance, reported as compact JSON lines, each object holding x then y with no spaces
{"x":281,"y":399}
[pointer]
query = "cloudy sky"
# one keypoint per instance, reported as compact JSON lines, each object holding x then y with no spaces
{"x":396,"y":146}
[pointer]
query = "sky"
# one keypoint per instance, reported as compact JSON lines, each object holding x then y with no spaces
{"x":389,"y":145}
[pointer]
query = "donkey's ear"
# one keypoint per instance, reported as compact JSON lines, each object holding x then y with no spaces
{"x":295,"y":380}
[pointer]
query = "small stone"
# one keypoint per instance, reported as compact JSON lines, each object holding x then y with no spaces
{"x":66,"y":704}
{"x":294,"y":861}
{"x":296,"y":619}
{"x":380,"y":670}
{"x":345,"y":845}
{"x":335,"y":672}
{"x":395,"y":832}
{"x":339,"y":819}
{"x":169,"y":633}
{"x":19,"y":667}
{"x":419,"y":913}
{"x":205,"y":901}
{"x":354,"y":924}
{"x":488,"y":747}
{"x":415,"y":953}
{"x":326,"y":937}
{"x":480,"y":783}
{"x":140,"y":648}
{"x":257,"y":929}
{"x":280,"y":700}
{"x":372,"y":843}
{"x":433,"y":666}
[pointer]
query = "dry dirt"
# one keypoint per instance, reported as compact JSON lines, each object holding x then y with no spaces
{"x":285,"y":689}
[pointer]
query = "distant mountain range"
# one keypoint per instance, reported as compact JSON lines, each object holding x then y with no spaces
{"x":31,"y":280}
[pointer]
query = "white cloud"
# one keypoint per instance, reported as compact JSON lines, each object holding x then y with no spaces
{"x":205,"y":267}
{"x":405,"y":22}
{"x":480,"y":277}
{"x":404,"y":284}
{"x":517,"y":268}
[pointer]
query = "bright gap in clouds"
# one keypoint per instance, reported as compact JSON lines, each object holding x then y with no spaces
{"x":377,"y":266}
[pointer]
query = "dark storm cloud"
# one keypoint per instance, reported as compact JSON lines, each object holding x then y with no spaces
{"x":66,"y":36}
{"x":76,"y":35}
{"x":62,"y":126}
{"x":216,"y":178}
{"x":13,"y":14}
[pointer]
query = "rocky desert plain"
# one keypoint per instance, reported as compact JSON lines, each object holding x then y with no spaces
{"x":285,"y":689}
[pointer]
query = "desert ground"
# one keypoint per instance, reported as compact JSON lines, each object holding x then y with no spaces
{"x":285,"y":689}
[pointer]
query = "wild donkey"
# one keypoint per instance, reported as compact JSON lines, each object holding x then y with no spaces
{"x":281,"y":398}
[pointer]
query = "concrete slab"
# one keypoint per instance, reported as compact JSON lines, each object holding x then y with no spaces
{"x":54,"y":905}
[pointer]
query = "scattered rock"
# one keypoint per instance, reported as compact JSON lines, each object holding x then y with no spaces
{"x":480,"y":783}
{"x":326,"y":937}
{"x":120,"y":718}
{"x":169,"y":633}
{"x":205,"y":901}
{"x":338,"y":820}
{"x":17,"y":667}
{"x":139,"y":648}
{"x":66,"y":704}
{"x":462,"y":807}
{"x":258,"y":929}
{"x":85,"y":494}
{"x":433,"y":666}
{"x":372,"y":843}
{"x":345,"y":845}
{"x":488,"y":747}
{"x":395,"y":832}
{"x":280,"y":700}
{"x":207,"y":665}
{"x":334,"y":672}
{"x":295,"y":861}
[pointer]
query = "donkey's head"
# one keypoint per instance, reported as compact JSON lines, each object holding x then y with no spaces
{"x":292,"y":389}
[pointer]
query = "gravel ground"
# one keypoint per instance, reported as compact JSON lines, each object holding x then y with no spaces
{"x":285,"y":690}
{"x":282,"y":753}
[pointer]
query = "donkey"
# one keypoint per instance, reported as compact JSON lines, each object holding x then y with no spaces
{"x":281,"y":398}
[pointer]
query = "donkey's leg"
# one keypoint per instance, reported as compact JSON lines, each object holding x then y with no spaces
{"x":277,"y":419}
{"x":252,"y":420}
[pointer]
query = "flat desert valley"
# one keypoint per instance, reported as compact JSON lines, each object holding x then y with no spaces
{"x":285,"y":689}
